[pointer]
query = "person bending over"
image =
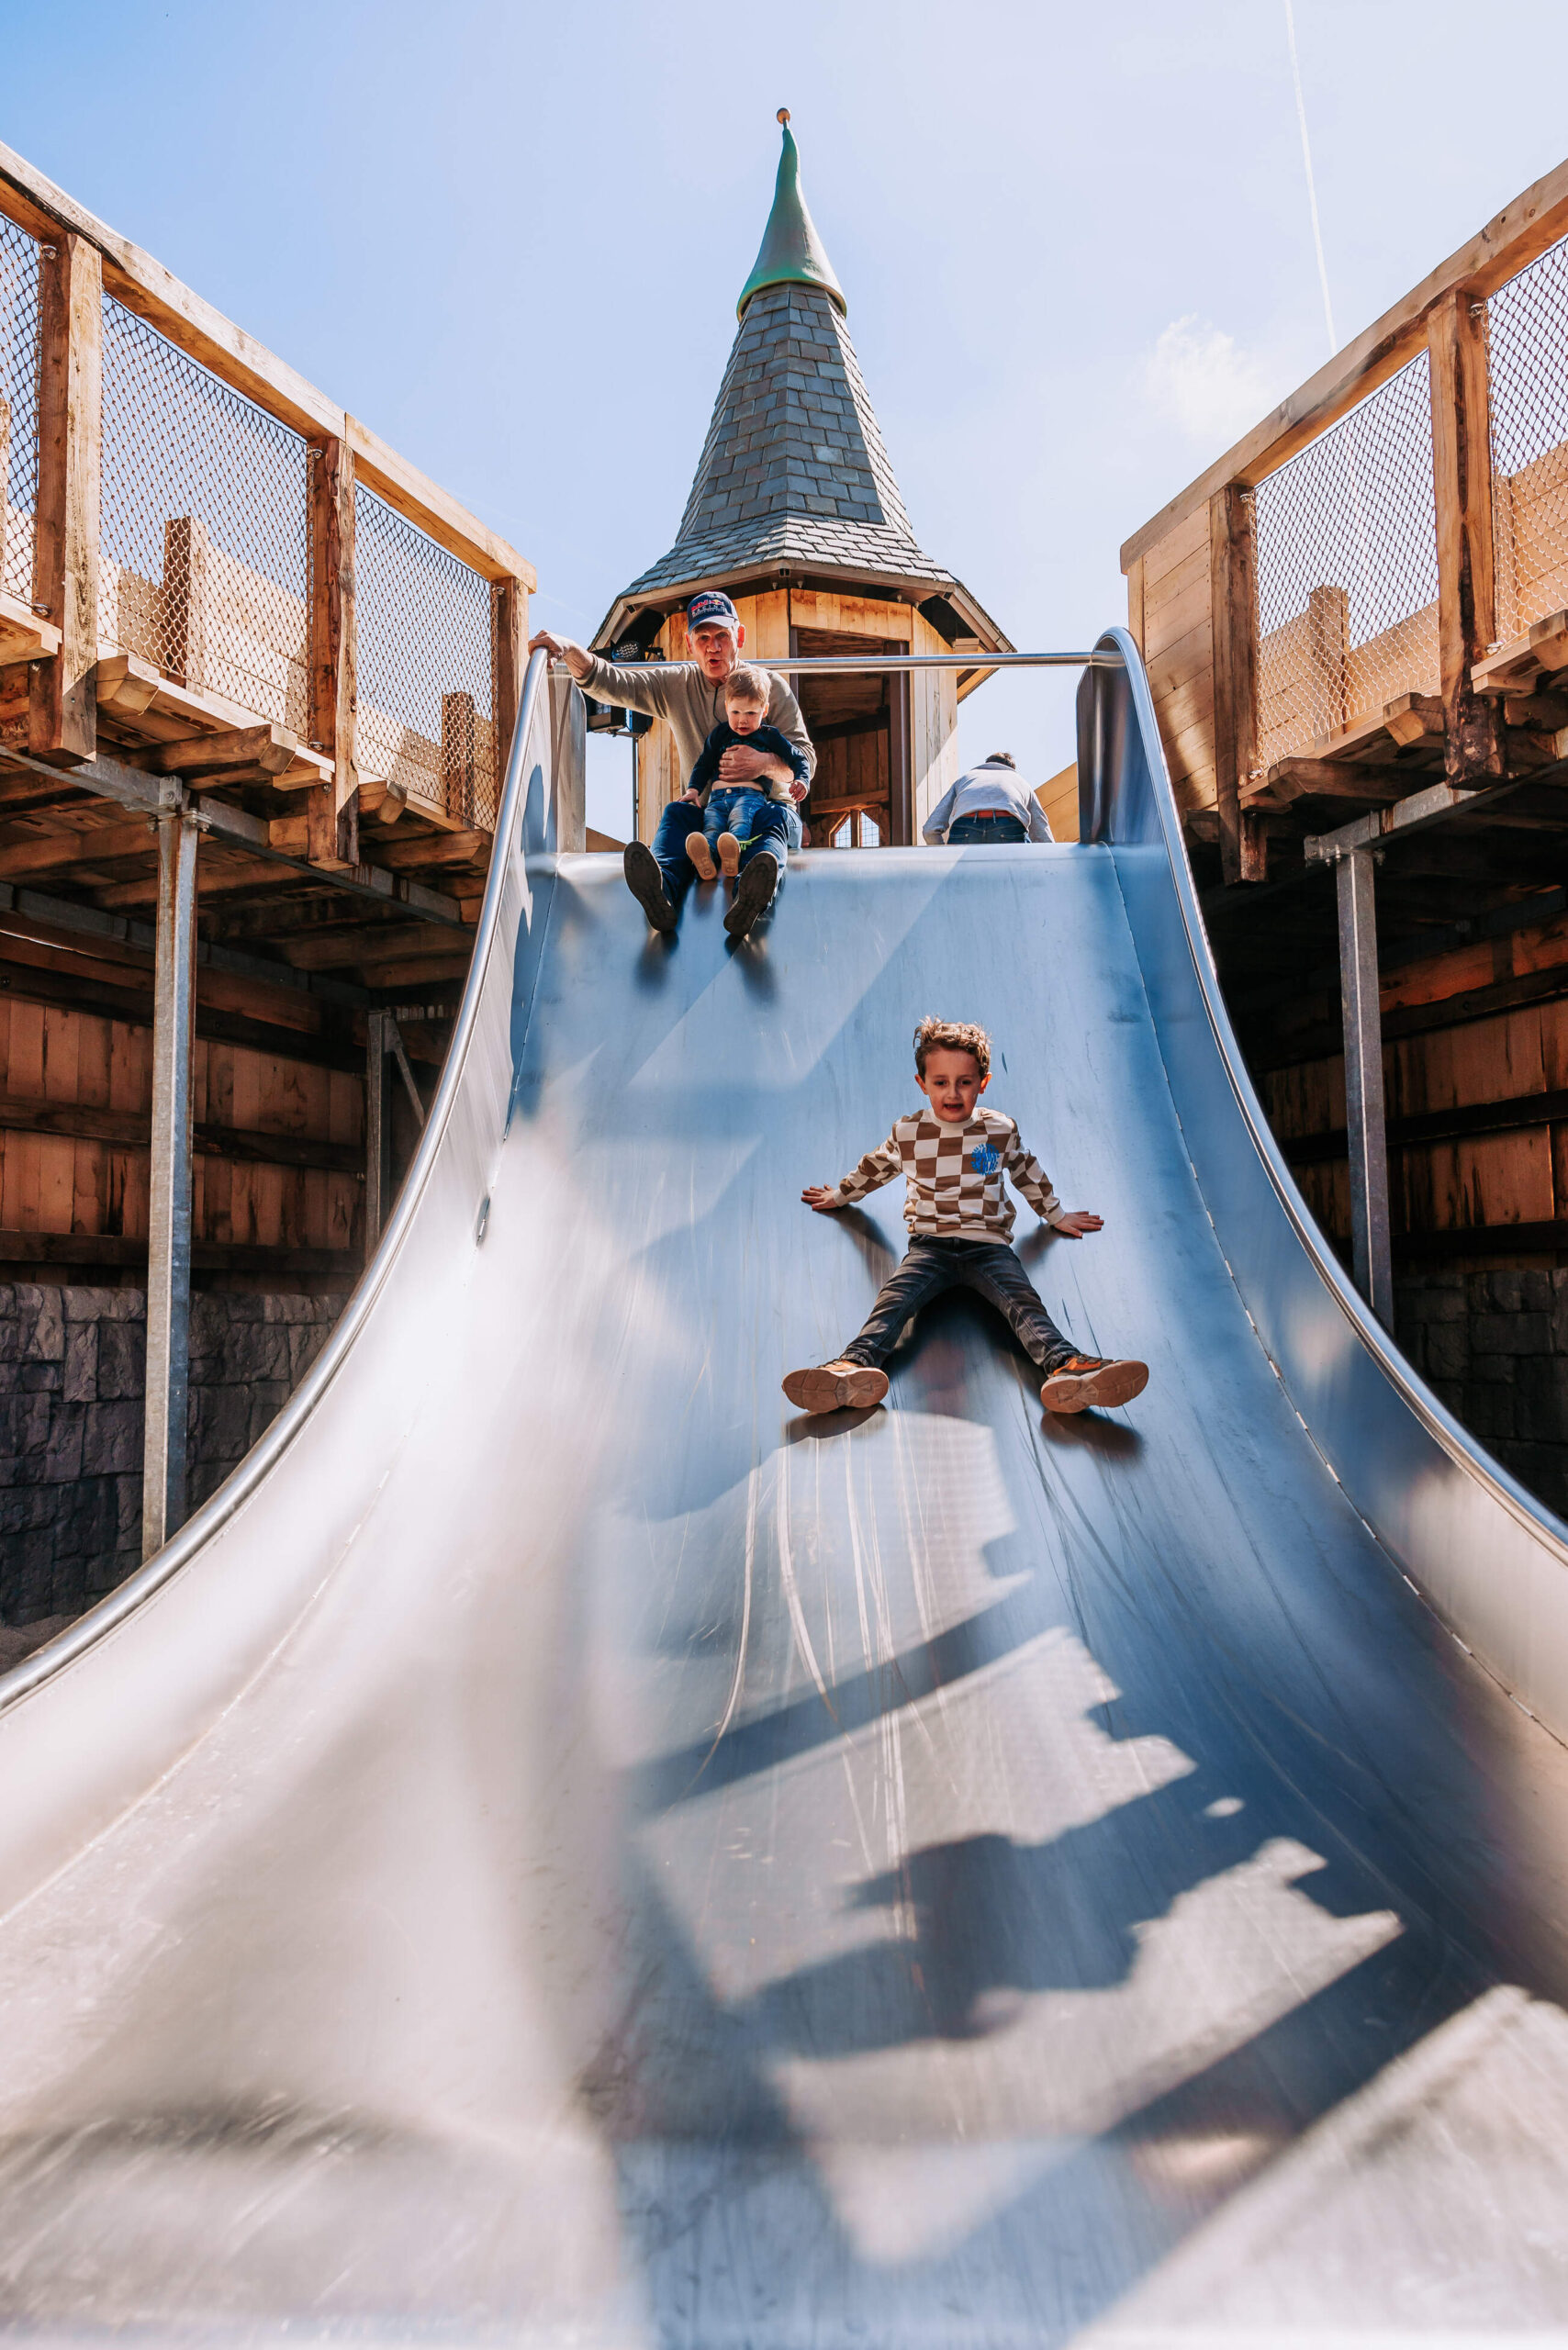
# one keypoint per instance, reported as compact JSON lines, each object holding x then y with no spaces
{"x":690,"y":695}
{"x":988,"y":803}
{"x":954,"y":1156}
{"x":748,"y":828}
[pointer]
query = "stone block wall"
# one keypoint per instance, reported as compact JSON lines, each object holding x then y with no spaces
{"x":73,"y":1367}
{"x":1493,"y":1345}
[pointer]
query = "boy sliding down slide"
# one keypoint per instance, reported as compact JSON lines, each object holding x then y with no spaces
{"x":954,"y":1156}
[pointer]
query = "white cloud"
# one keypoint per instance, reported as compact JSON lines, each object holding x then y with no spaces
{"x":1198,"y":378}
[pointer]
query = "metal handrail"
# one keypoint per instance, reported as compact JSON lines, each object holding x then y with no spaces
{"x":230,"y":1496}
{"x":852,"y":664}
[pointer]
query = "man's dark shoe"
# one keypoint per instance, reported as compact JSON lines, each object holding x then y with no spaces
{"x":1085,"y":1382}
{"x":754,"y":892}
{"x":647,"y":884}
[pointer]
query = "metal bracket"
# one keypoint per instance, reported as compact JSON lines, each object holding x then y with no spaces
{"x":1422,"y":808}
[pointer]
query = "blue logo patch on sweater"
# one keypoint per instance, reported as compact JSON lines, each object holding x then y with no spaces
{"x":986,"y":1159}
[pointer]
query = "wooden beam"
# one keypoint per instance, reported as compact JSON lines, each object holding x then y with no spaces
{"x":334,"y":653}
{"x":1514,"y":1115}
{"x":1462,"y":481}
{"x":1539,"y":710}
{"x":1290,"y":779}
{"x":25,"y":635}
{"x":412,"y":853}
{"x":1233,"y":608}
{"x":129,"y":1130}
{"x":330,"y":1047}
{"x":60,"y":852}
{"x":62,"y":714}
{"x":1414,"y":717}
{"x":1515,"y":236}
{"x":1513,"y":668}
{"x":508,"y":661}
{"x":207,"y":1256}
{"x":1483,"y":1240}
{"x":268,"y":749}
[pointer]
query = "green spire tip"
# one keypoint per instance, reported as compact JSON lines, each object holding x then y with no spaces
{"x":791,"y":253}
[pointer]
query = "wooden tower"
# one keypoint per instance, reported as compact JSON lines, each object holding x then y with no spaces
{"x":796,"y":513}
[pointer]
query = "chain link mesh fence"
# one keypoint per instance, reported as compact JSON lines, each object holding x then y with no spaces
{"x":1348,"y":571}
{"x":426,"y":722}
{"x":205,"y":545}
{"x":19,"y":264}
{"x":1526,"y":336}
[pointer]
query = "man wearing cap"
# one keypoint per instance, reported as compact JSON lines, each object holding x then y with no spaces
{"x":690,"y":695}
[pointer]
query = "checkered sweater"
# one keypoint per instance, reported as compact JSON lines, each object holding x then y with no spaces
{"x":952,"y":1175}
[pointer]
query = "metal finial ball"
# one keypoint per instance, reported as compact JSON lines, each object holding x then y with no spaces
{"x":783,"y":115}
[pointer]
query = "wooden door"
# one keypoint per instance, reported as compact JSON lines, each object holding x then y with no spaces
{"x":860,"y":793}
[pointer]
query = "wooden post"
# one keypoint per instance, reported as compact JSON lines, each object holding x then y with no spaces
{"x":169,"y":1199}
{"x":1326,"y":655}
{"x":186,"y":549}
{"x":1233,"y":608}
{"x":900,"y":786}
{"x":509,"y":660}
{"x":62,"y":714}
{"x":333,"y":811}
{"x":1134,"y":600}
{"x":458,"y":746}
{"x":1462,"y":482}
{"x":378,"y":1130}
{"x":1363,"y":1009}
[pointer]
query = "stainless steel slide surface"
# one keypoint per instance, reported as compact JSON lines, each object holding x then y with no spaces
{"x":567,"y":1850}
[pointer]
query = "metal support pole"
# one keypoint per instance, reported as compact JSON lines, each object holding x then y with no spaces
{"x":1363,"y":1082}
{"x":169,"y":1204}
{"x":378,"y":1129}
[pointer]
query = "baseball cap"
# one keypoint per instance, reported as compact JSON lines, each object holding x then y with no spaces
{"x":712,"y":609}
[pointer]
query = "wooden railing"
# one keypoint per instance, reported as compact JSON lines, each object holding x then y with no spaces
{"x":183,"y":523}
{"x":1377,"y":575}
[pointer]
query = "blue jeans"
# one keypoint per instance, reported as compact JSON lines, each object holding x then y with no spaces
{"x":964,"y":830}
{"x":936,"y":1263}
{"x":773,"y":826}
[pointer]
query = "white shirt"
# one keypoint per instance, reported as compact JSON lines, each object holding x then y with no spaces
{"x":987,"y":787}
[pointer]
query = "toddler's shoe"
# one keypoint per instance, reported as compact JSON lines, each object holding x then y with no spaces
{"x":754,"y":891}
{"x":1094,"y":1382}
{"x":836,"y":1387}
{"x":702,"y":856}
{"x":728,"y":856}
{"x":647,"y":884}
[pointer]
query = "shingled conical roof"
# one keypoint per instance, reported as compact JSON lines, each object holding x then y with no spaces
{"x":793,"y":476}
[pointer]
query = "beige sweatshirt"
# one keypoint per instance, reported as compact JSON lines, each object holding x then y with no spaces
{"x":692,"y":704}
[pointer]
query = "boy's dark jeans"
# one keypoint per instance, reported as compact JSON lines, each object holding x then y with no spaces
{"x":769,"y":830}
{"x":935,"y":1264}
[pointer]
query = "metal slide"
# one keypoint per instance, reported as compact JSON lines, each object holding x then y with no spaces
{"x":562,"y":1850}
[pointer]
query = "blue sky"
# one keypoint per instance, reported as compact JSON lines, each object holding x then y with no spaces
{"x":1076,"y":243}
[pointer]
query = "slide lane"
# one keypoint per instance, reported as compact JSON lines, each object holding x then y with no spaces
{"x":573,"y":1848}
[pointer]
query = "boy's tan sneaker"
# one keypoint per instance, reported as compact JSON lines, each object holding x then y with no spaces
{"x":702,"y":856}
{"x":836,"y":1387}
{"x":729,"y":850}
{"x":1094,"y":1382}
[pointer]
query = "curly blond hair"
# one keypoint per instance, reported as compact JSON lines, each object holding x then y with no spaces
{"x":952,"y":1037}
